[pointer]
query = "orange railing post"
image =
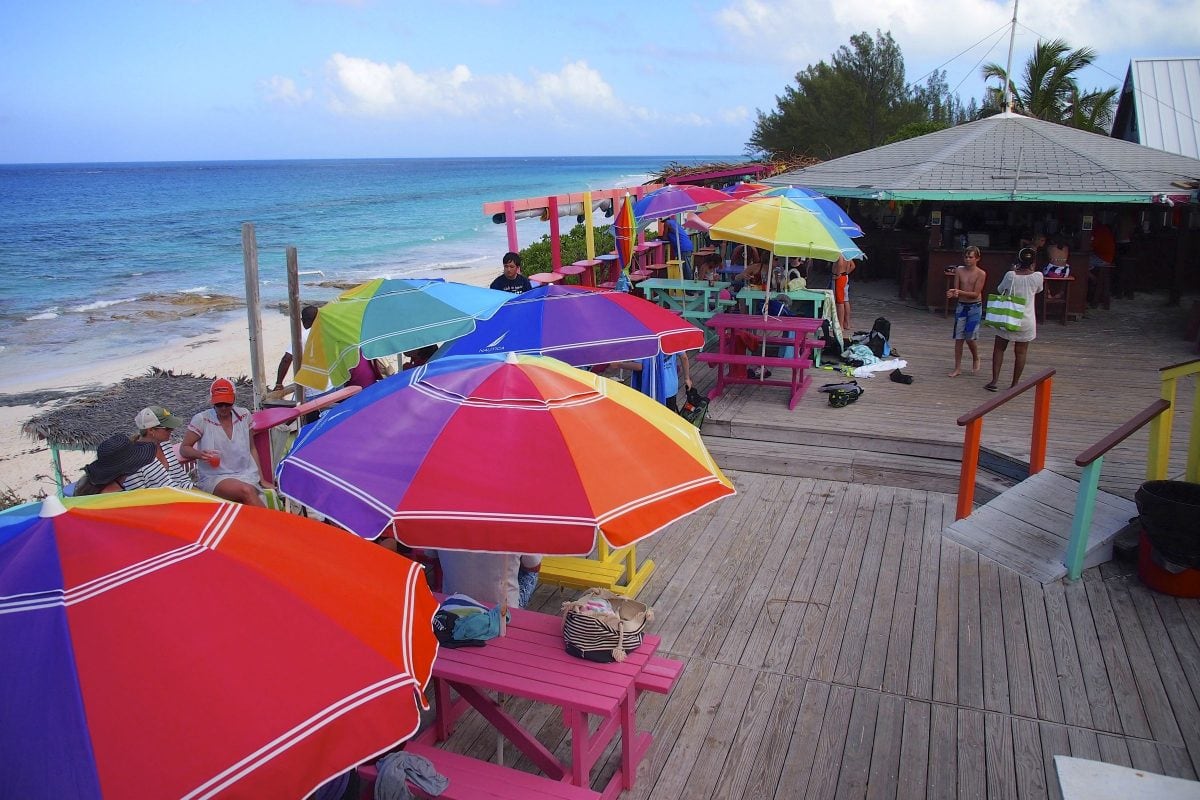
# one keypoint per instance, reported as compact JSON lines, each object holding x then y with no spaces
{"x":1041,"y":426}
{"x":970,"y":464}
{"x":973,"y":422}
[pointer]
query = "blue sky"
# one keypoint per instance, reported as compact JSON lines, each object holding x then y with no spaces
{"x":210,"y":79}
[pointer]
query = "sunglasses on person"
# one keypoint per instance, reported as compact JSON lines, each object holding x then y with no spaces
{"x":222,"y":405}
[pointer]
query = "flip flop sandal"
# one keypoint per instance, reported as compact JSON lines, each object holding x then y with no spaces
{"x":991,"y":387}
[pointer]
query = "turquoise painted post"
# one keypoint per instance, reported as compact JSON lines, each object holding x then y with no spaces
{"x":56,"y":464}
{"x":1085,"y":504}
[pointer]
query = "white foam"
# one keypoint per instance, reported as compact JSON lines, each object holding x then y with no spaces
{"x":49,"y":313}
{"x":196,"y":290}
{"x":100,"y":304}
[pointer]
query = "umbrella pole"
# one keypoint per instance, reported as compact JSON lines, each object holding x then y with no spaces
{"x":762,"y":370}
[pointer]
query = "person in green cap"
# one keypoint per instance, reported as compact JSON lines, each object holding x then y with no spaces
{"x":154,"y":424}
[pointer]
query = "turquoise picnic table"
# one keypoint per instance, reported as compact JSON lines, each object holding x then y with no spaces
{"x":695,"y":301}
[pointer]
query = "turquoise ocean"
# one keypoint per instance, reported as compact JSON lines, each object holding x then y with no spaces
{"x":114,"y":258}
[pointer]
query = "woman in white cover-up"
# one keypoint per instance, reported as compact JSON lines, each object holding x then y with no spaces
{"x":1026,"y":282}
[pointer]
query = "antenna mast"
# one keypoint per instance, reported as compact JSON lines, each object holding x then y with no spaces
{"x":1008,"y":67}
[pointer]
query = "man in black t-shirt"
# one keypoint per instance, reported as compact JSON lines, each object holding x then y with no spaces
{"x":512,"y":280}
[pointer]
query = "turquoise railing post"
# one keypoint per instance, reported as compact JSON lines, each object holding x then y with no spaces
{"x":1085,"y":504}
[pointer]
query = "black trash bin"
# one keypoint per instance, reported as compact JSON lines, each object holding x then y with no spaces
{"x":1170,"y":516}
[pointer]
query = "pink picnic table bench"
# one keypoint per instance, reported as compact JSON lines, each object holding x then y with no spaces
{"x":782,"y":332}
{"x":529,"y":661}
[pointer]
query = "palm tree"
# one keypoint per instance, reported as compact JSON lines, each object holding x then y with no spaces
{"x":1050,"y":91}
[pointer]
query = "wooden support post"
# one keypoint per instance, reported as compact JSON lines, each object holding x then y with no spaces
{"x":253,"y":311}
{"x":510,"y":224}
{"x":1085,"y":504}
{"x":555,"y":239}
{"x":1041,"y":426}
{"x":1158,"y":451}
{"x":970,"y":464}
{"x":56,"y":465}
{"x":589,"y":236}
{"x":293,"y":279}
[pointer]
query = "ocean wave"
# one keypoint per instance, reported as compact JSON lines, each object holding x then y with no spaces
{"x":49,"y":313}
{"x":99,"y":304}
{"x":197,"y":290}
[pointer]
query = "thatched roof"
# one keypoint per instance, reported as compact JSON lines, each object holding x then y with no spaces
{"x":90,"y":417}
{"x":675,"y":172}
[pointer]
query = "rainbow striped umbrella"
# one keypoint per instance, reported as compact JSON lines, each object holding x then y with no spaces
{"x":502,"y":453}
{"x":162,"y":643}
{"x":817,"y":202}
{"x":387,"y":316}
{"x":625,"y":233}
{"x":780,"y":225}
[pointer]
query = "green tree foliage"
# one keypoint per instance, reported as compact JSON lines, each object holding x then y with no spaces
{"x":1049,"y":90}
{"x":536,"y":257}
{"x":855,"y":103}
{"x":915,"y":129}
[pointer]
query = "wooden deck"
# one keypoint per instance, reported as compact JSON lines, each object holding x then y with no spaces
{"x":839,"y":646}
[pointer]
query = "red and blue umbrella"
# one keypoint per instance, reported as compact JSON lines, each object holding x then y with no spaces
{"x":162,"y":643}
{"x":502,"y":453}
{"x":675,"y":199}
{"x":744,"y":189}
{"x":579,"y":326}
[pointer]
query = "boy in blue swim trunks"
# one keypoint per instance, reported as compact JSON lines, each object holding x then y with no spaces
{"x":968,"y":291}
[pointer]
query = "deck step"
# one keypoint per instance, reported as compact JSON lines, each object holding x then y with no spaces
{"x":844,"y":463}
{"x":1028,"y":527}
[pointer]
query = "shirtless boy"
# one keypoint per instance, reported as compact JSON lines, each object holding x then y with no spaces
{"x":968,"y":291}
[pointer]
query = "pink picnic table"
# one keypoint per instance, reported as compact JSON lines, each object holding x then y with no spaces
{"x":529,"y":661}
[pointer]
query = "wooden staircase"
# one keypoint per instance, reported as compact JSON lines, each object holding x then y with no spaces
{"x":1028,"y":527}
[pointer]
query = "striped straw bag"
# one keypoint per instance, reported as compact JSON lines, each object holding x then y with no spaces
{"x":1004,"y":312}
{"x":602,"y":626}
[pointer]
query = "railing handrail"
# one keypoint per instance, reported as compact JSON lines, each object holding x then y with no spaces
{"x":1130,"y":427}
{"x":1182,"y":369}
{"x":1005,"y":396}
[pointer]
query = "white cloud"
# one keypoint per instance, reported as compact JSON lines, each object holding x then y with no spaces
{"x":278,"y":89}
{"x":577,"y":94}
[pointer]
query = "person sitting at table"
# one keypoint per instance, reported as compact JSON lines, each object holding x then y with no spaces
{"x":154,"y":424}
{"x":219,"y":441}
{"x":117,"y":457}
{"x":491,"y":578}
{"x":658,"y":376}
{"x":753,"y":274}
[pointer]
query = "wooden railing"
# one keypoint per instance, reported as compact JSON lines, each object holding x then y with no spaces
{"x":1092,"y":460}
{"x":1159,"y":454}
{"x":973,"y":422}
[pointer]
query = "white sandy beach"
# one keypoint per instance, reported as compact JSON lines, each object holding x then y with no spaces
{"x":25,"y":464}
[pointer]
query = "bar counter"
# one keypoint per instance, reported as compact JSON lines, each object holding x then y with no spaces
{"x":995,"y":263}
